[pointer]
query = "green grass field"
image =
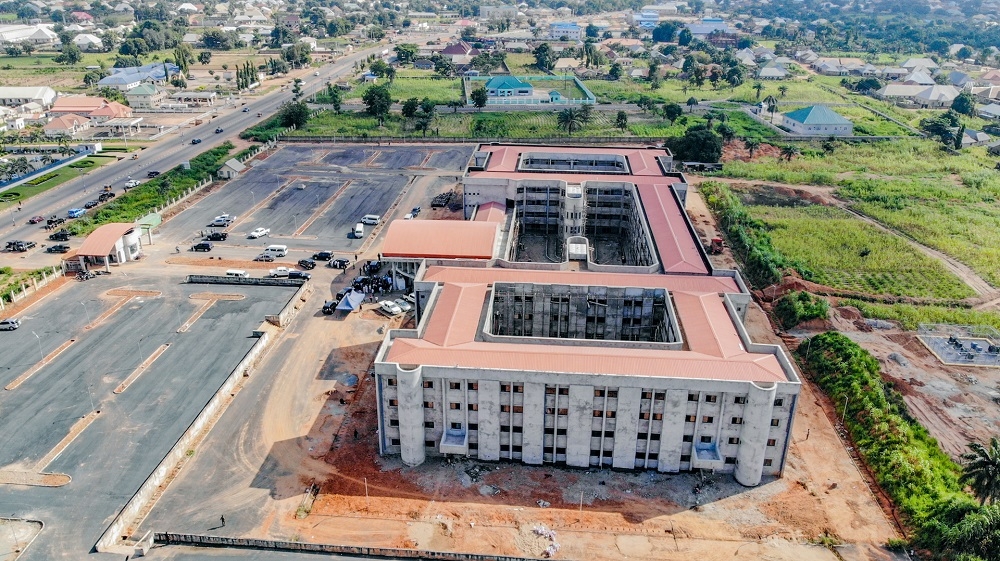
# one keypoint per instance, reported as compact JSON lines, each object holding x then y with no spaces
{"x":866,"y":123}
{"x":626,"y":90}
{"x":842,"y":252}
{"x":63,"y":175}
{"x":438,"y":90}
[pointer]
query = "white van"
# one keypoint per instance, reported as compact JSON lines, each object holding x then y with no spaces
{"x":276,"y":250}
{"x":372,"y":219}
{"x":359,"y":231}
{"x":237,"y":273}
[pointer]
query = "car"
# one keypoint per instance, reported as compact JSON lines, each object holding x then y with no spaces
{"x":202,"y":246}
{"x":76,"y":212}
{"x":329,"y":306}
{"x":20,"y":245}
{"x":338,"y":264}
{"x":264,"y":257}
{"x":411,"y":299}
{"x":55,"y":221}
{"x":152,"y":174}
{"x":222,"y":220}
{"x":58,"y":248}
{"x":344,"y":292}
{"x":293,"y":274}
{"x":307,"y":264}
{"x":218,"y":130}
{"x":389,"y":308}
{"x":403,"y":304}
{"x":60,"y":236}
{"x":316,"y":73}
{"x":132,"y":183}
{"x":36,"y":219}
{"x":105,"y":196}
{"x":408,"y":217}
{"x":9,"y":324}
{"x":323,"y":255}
{"x":217,"y":236}
{"x":415,"y":211}
{"x":91,"y":204}
{"x":195,"y":141}
{"x":279,"y":272}
{"x":258,"y":233}
{"x":260,"y":114}
{"x":246,"y":109}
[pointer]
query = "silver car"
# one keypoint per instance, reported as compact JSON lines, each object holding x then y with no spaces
{"x":9,"y":324}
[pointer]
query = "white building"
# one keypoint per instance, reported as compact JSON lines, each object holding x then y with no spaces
{"x":488,"y":13}
{"x":15,"y":96}
{"x":817,"y":120}
{"x":636,"y":358}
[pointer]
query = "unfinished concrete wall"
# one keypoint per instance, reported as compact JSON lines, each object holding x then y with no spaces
{"x":754,"y":434}
{"x":489,"y":420}
{"x":626,"y":427}
{"x":410,"y":395}
{"x":671,"y":439}
{"x":533,"y":421}
{"x":580,"y":403}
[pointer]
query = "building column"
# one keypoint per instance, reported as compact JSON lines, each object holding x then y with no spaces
{"x":753,"y":434}
{"x":489,"y":420}
{"x":578,"y":427}
{"x":533,"y":423}
{"x":626,"y":427}
{"x":410,"y":396}
{"x":672,"y":434}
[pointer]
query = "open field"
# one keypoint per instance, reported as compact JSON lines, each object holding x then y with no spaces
{"x":865,"y":122}
{"x":679,"y":91}
{"x":438,"y":90}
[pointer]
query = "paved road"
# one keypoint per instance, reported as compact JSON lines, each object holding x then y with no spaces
{"x":162,"y":155}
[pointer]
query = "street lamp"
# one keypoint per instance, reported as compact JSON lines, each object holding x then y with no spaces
{"x":253,"y":199}
{"x":39,"y":339}
{"x":86,"y":312}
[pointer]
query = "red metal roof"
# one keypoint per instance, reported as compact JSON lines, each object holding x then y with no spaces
{"x":101,"y":241}
{"x":491,"y":212}
{"x":677,"y":248}
{"x":441,"y":239}
{"x":690,"y":283}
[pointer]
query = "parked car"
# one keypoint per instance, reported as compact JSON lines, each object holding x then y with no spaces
{"x":293,"y":274}
{"x":279,"y":272}
{"x":389,"y":308}
{"x":91,"y":204}
{"x":338,"y":264}
{"x":60,"y":236}
{"x":202,"y":246}
{"x":36,"y":219}
{"x":329,"y":306}
{"x":323,"y":256}
{"x":264,"y":257}
{"x":20,"y":245}
{"x":222,"y":220}
{"x":217,"y":236}
{"x":195,"y":141}
{"x":403,"y":304}
{"x":258,"y":233}
{"x":132,"y":183}
{"x":260,"y":114}
{"x":218,"y":130}
{"x":415,"y":211}
{"x":55,"y":221}
{"x":58,"y":248}
{"x":246,"y":109}
{"x":344,"y":292}
{"x":76,"y":212}
{"x":411,"y":298}
{"x":9,"y":324}
{"x":105,"y":196}
{"x":152,"y":174}
{"x":307,"y":264}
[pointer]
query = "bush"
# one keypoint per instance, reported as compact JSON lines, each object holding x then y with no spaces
{"x":41,"y":179}
{"x":796,"y":307}
{"x":85,"y":163}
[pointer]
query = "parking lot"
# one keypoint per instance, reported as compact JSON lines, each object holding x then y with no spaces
{"x":112,"y":335}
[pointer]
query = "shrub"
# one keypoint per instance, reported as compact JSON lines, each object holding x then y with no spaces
{"x":796,"y":307}
{"x":41,"y":179}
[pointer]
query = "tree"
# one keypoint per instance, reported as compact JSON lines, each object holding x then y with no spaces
{"x":727,"y":132}
{"x":782,"y":90}
{"x":335,"y":96}
{"x":959,"y":136}
{"x":480,"y":97}
{"x":772,"y":105}
{"x":964,"y":104}
{"x":423,"y":123}
{"x":586,"y":112}
{"x":378,"y":101}
{"x":981,"y":470}
{"x":788,"y":152}
{"x":90,"y":79}
{"x":406,"y":53}
{"x":758,"y":87}
{"x":697,"y":145}
{"x":444,"y":67}
{"x":964,"y":53}
{"x":296,"y":114}
{"x":570,"y":120}
{"x":684,"y":37}
{"x":665,"y":32}
{"x":28,"y":48}
{"x":427,"y":106}
{"x":133,"y":47}
{"x":545,"y":58}
{"x":454,"y":104}
{"x":592,"y":31}
{"x":671,"y":111}
{"x":410,"y":107}
{"x":616,"y":71}
{"x":751,"y":144}
{"x":13,"y":50}
{"x":379,"y":68}
{"x":691,"y":102}
{"x":469,"y":33}
{"x":735,"y":76}
{"x":621,"y":120}
{"x":70,"y":54}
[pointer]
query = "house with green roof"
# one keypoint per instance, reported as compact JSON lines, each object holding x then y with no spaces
{"x":145,"y":96}
{"x":817,"y":120}
{"x":507,"y":86}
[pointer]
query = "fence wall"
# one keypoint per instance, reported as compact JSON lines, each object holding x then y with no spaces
{"x":49,"y":274}
{"x":376,"y":552}
{"x":43,"y":170}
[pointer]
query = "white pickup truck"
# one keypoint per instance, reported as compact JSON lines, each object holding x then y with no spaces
{"x":224,"y":220}
{"x":280,"y":272}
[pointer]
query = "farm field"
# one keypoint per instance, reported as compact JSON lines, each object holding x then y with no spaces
{"x":626,"y":90}
{"x":438,"y":90}
{"x":514,"y":124}
{"x":842,"y":252}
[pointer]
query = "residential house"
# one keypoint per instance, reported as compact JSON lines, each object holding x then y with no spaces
{"x":76,"y":105}
{"x":772,"y":71}
{"x":893,"y":73}
{"x":423,"y":64}
{"x":639,"y":73}
{"x":145,"y":96}
{"x":15,"y":96}
{"x":807,"y":56}
{"x":646,"y":19}
{"x":82,"y":17}
{"x":817,"y":120}
{"x":122,"y":82}
{"x":88,"y":42}
{"x":231,"y":169}
{"x":991,"y":76}
{"x":191,"y":38}
{"x":565,"y":65}
{"x":570,"y":30}
{"x":459,"y":48}
{"x":919,"y":78}
{"x":66,"y":125}
{"x":112,"y":110}
{"x":974,"y":138}
{"x":708,"y":26}
{"x":913,"y":63}
{"x":187,"y":7}
{"x":487,"y":13}
{"x":516,"y":47}
{"x":153,"y":73}
{"x":991,"y":111}
{"x":960,"y":79}
{"x":937,"y":96}
{"x":508,"y":86}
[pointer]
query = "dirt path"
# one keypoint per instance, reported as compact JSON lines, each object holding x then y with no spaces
{"x":827,"y":196}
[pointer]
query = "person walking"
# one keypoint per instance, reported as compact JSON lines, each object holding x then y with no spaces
{"x":222,"y":519}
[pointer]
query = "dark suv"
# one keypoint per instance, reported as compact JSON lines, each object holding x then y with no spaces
{"x":323,"y":256}
{"x":60,"y":236}
{"x":338,"y":264}
{"x":217,"y":236}
{"x":329,"y":306}
{"x":307,"y":264}
{"x":299,"y":275}
{"x":202,"y":246}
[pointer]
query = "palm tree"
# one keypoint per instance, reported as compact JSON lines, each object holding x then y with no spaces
{"x":691,"y":102}
{"x":751,"y":144}
{"x":46,"y":159}
{"x":570,"y":120}
{"x":981,"y":470}
{"x":758,"y":87}
{"x":788,"y":152}
{"x":772,"y":105}
{"x":782,"y":89}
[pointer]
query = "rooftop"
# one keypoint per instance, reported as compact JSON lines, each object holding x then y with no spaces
{"x":817,"y":115}
{"x":101,"y":241}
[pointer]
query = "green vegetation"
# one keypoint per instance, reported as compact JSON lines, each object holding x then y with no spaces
{"x":10,"y":282}
{"x":680,"y":90}
{"x":438,"y":90}
{"x":52,"y":179}
{"x":866,"y":123}
{"x":797,"y":307}
{"x":154,"y":193}
{"x":911,"y":316}
{"x":907,"y":462}
{"x":837,"y":250}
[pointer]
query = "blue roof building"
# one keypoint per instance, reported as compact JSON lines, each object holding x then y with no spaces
{"x":817,"y":120}
{"x":506,"y":86}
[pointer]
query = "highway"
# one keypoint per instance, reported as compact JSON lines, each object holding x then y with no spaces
{"x":164,"y":154}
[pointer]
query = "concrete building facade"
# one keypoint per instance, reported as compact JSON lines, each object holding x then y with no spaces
{"x":572,"y":357}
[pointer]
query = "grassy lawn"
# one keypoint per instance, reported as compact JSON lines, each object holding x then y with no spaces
{"x":62,"y":175}
{"x":678,"y":91}
{"x":521,"y":64}
{"x":439,"y":90}
{"x":910,"y":316}
{"x":866,"y":123}
{"x":842,"y":252}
